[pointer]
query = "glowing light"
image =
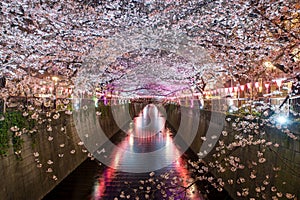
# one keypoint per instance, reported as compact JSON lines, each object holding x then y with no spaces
{"x":267,"y":85}
{"x":55,"y":78}
{"x":249,"y":85}
{"x":105,"y":101}
{"x":242,"y":87}
{"x":282,"y":119}
{"x":131,"y":140}
{"x":268,"y":64}
{"x":95,"y":99}
{"x":278,"y":82}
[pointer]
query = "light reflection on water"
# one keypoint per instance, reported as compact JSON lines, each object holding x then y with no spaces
{"x":147,"y":134}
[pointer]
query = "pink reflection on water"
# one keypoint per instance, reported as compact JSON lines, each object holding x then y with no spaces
{"x":147,"y":134}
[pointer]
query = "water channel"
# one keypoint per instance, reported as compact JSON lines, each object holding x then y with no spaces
{"x":147,"y":133}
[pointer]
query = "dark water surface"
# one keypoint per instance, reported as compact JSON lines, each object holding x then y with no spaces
{"x":145,"y":135}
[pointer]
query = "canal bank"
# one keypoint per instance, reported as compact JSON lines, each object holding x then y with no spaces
{"x":49,"y":155}
{"x":249,"y":158}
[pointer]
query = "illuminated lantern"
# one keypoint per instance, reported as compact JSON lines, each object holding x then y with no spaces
{"x":267,"y":85}
{"x":224,"y":90}
{"x":249,"y":85}
{"x":242,"y":87}
{"x":256,"y":85}
{"x":279,"y":82}
{"x":43,"y":89}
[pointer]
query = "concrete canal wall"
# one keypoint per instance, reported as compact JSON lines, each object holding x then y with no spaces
{"x":59,"y":153}
{"x":277,"y":176}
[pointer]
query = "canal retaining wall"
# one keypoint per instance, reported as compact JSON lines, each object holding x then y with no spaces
{"x":265,"y":168}
{"x":47,"y":157}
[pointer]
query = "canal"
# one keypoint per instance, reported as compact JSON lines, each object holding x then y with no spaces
{"x":160,"y":171}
